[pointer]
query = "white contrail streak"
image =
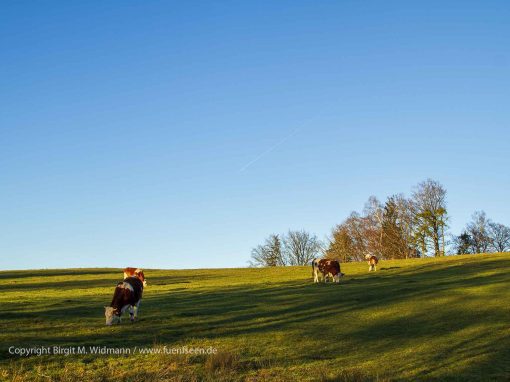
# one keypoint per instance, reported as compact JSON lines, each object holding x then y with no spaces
{"x":273,"y":147}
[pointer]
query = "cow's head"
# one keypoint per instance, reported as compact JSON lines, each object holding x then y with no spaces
{"x":141,"y":277}
{"x":336,"y":278}
{"x":111,"y":315}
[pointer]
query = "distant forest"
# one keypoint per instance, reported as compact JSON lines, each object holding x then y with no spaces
{"x":400,"y":228}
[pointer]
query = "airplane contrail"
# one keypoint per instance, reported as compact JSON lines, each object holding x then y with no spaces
{"x":273,"y":147}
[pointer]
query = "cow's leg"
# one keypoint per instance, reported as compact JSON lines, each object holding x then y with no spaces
{"x":315,"y":276}
{"x":137,"y":306}
{"x":132,"y":313}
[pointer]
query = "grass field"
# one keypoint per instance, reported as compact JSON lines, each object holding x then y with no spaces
{"x":425,"y":319}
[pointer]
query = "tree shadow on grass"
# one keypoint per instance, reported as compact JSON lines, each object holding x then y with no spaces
{"x":108,"y":281}
{"x":304,"y":308}
{"x":42,"y":273}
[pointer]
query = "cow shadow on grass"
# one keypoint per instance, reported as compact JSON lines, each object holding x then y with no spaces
{"x":303,"y":308}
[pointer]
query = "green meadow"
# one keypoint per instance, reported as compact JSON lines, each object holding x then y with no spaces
{"x":444,"y":319}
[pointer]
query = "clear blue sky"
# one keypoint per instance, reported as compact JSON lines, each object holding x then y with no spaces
{"x":180,"y":134}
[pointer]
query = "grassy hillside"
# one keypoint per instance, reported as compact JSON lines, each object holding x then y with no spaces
{"x":429,"y":319}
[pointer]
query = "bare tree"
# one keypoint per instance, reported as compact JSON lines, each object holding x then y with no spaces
{"x":301,"y":247}
{"x":269,"y":254}
{"x":373,"y":216}
{"x":478,"y":230}
{"x":429,"y":200}
{"x":355,"y":226}
{"x":407,"y":219}
{"x":500,"y":237}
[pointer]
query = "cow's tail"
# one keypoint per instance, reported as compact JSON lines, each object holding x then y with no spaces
{"x":313,"y":268}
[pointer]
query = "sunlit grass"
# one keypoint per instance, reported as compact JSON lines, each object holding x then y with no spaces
{"x":426,"y":319}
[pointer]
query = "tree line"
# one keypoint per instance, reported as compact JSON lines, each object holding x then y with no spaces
{"x":482,"y":235}
{"x":400,"y":228}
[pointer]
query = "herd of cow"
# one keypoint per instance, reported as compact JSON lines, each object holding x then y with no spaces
{"x":128,"y":292}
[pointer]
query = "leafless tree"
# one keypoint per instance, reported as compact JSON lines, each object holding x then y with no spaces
{"x":373,"y":216}
{"x":407,"y":219}
{"x":356,"y":229}
{"x":500,"y":237}
{"x":478,"y":230}
{"x":301,"y":247}
{"x":269,"y":254}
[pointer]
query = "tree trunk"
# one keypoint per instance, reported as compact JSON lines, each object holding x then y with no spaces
{"x":437,"y":250}
{"x":442,"y":236}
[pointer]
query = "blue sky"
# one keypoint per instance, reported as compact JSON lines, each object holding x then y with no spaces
{"x":180,"y":134}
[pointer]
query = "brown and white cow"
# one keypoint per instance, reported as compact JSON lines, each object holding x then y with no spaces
{"x":372,"y":261}
{"x":135,"y":272}
{"x":127,"y":296}
{"x":327,"y":268}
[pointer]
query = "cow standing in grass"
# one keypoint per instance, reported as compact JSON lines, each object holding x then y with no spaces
{"x":372,"y":261}
{"x":127,"y":296}
{"x":327,"y":268}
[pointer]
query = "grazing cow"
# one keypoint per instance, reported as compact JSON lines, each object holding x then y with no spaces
{"x":128,"y":294}
{"x":326,"y":268}
{"x":135,"y":272}
{"x":372,"y":262}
